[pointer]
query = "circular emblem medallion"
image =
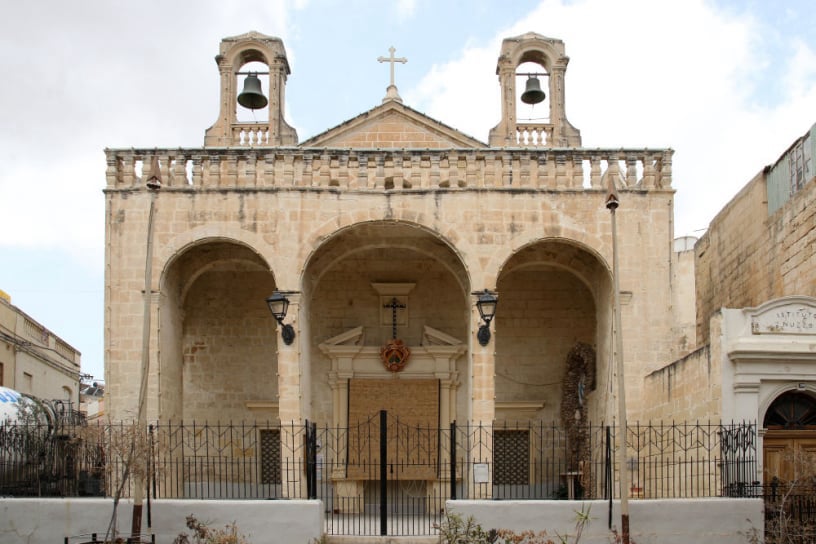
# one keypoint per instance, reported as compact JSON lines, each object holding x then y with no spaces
{"x":394,"y":355}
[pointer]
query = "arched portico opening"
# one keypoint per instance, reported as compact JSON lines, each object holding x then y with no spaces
{"x":552,"y":333}
{"x":552,"y":346}
{"x":217,"y":339}
{"x":348,"y":283}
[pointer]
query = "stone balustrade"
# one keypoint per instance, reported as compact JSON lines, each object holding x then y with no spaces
{"x":250,"y":134}
{"x":534,"y":134}
{"x":383,"y":170}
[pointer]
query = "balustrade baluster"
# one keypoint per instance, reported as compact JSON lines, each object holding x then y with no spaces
{"x":178,"y":176}
{"x":595,"y":171}
{"x":416,"y":172}
{"x":198,"y":171}
{"x":306,"y":179}
{"x":113,"y":171}
{"x":434,"y":176}
{"x":379,"y":172}
{"x":666,"y":170}
{"x":631,"y":171}
{"x":648,"y":171}
{"x":560,"y":171}
{"x":324,"y":170}
{"x":340,"y":176}
{"x":577,"y":171}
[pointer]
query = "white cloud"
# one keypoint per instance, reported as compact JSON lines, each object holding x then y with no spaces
{"x":406,"y":9}
{"x":651,"y":74}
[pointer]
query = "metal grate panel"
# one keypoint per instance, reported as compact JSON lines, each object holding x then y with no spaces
{"x":270,"y":456}
{"x":511,"y":457}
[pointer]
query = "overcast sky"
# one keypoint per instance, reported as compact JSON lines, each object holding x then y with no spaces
{"x":728,"y":85}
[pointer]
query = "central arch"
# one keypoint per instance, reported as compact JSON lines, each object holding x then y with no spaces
{"x":350,"y":278}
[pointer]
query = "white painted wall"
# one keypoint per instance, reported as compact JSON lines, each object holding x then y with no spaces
{"x":670,"y":521}
{"x":665,"y":521}
{"x":49,"y":521}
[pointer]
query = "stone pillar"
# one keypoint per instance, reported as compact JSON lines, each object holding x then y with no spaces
{"x":483,"y":370}
{"x":289,"y":394}
{"x":289,"y":377}
{"x":483,"y":411}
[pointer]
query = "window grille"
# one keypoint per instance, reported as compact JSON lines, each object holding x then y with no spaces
{"x":511,"y":457}
{"x":270,"y":440}
{"x":800,"y":164}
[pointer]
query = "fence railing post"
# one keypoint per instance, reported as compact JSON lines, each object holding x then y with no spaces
{"x":311,"y":459}
{"x":608,"y":472}
{"x":453,"y":460}
{"x":383,"y":472}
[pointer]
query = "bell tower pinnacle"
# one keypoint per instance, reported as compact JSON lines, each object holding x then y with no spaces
{"x":556,"y":131}
{"x":270,"y":129}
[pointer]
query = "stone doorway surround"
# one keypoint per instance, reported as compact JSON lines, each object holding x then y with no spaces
{"x":768,"y":351}
{"x":434,"y":358}
{"x":351,"y":359}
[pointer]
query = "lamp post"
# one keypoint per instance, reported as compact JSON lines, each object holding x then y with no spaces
{"x":612,"y":203}
{"x":153,"y":185}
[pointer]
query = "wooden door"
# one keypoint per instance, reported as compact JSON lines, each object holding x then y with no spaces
{"x":789,"y":455}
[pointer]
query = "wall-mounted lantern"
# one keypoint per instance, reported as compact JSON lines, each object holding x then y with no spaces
{"x":487,"y":310}
{"x":278,"y":305}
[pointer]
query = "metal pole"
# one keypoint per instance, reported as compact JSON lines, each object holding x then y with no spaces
{"x":608,"y":472}
{"x":453,"y":460}
{"x":383,"y":473}
{"x":612,"y":204}
{"x":153,"y":184}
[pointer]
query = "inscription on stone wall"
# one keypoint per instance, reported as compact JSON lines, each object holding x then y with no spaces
{"x":788,"y":319}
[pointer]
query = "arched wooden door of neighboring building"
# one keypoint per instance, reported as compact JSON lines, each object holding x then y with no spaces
{"x":789,"y":446}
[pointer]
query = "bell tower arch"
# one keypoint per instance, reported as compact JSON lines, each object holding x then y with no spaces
{"x":271,"y":129}
{"x":549,"y":54}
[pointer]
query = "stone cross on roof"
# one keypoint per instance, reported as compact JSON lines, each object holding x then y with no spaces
{"x":391,"y":93}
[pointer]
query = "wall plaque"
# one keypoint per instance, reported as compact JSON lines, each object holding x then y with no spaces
{"x":789,"y":315}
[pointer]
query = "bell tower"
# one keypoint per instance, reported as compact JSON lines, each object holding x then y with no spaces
{"x":553,"y":131}
{"x":267,"y":126}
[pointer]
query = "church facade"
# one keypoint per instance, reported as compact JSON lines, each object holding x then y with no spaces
{"x":420,"y":271}
{"x":383,"y":234}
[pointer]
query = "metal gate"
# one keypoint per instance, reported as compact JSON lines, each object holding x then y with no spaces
{"x":380,"y":477}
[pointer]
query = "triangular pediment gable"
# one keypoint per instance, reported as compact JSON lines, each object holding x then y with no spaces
{"x":434,"y":337}
{"x":393,"y":125}
{"x":352,"y":337}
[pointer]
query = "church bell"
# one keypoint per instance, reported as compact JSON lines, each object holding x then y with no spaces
{"x":532,"y":93}
{"x":252,"y":96}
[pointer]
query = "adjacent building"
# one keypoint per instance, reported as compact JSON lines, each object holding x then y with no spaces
{"x":755,"y":277}
{"x":34,"y":360}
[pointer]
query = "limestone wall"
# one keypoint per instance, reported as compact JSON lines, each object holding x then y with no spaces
{"x":274,"y":218}
{"x":688,"y":389}
{"x":748,"y":257}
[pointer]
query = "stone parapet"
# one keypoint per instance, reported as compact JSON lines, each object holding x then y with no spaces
{"x":393,"y":169}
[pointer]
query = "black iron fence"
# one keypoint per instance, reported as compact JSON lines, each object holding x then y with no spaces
{"x":529,"y":460}
{"x":380,"y":476}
